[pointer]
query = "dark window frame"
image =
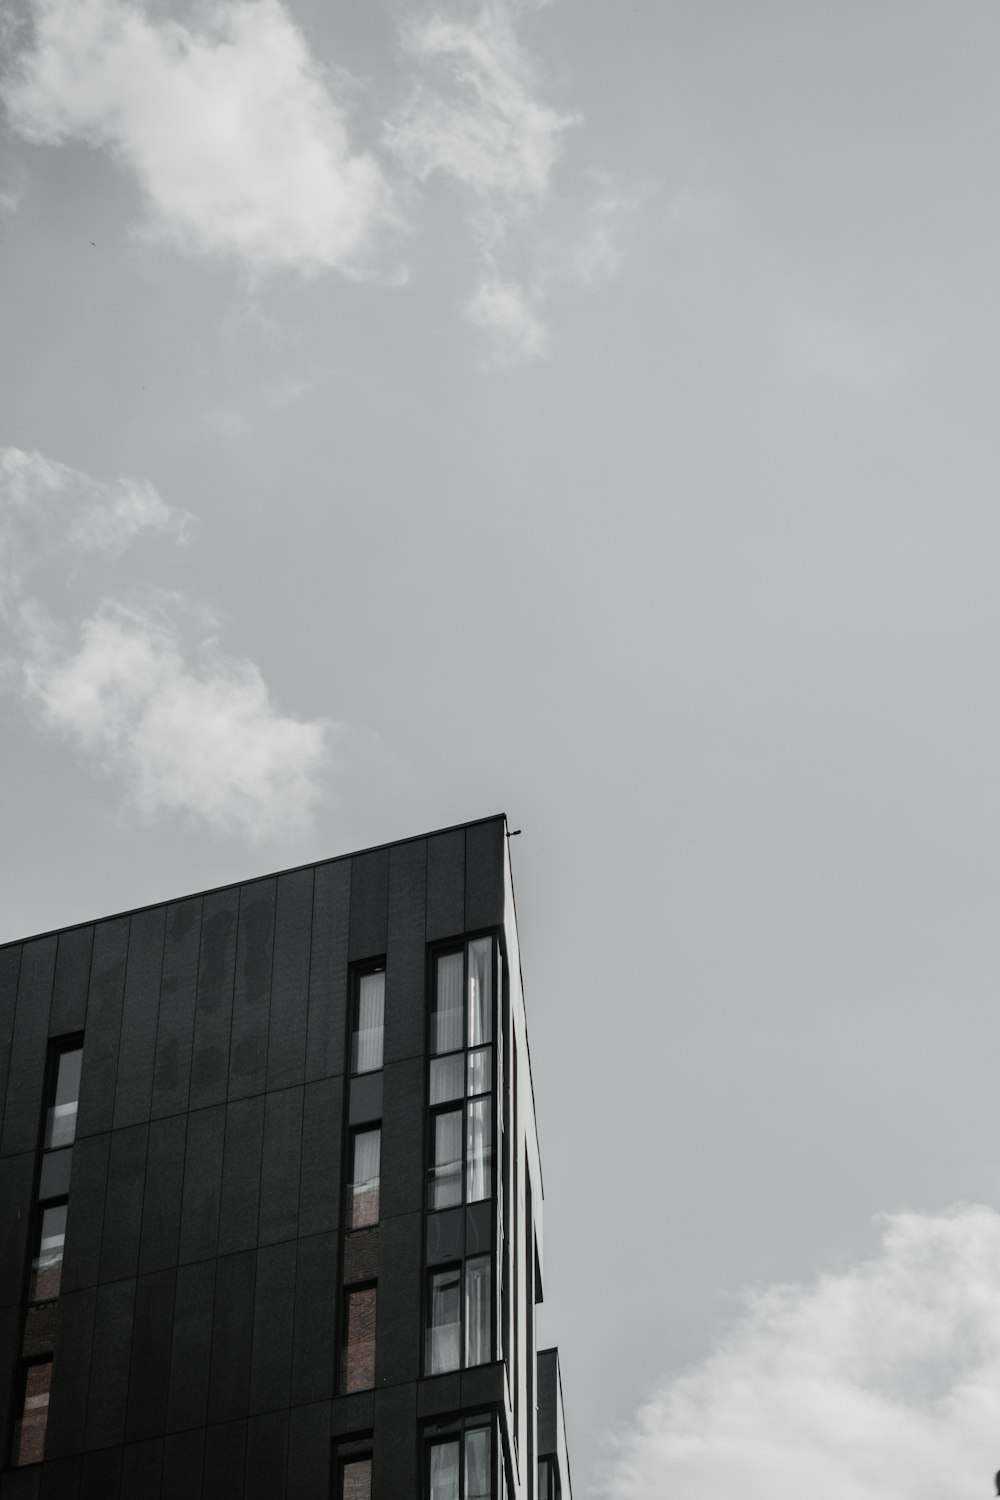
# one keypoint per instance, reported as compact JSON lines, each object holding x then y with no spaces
{"x":456,"y":1429}
{"x":358,"y":972}
{"x":355,"y":1289}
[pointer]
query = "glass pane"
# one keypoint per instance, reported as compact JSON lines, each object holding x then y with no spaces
{"x":444,"y":1471}
{"x":480,"y":991}
{"x":444,"y":1329}
{"x":545,"y":1480}
{"x":363,"y":1204}
{"x":357,"y":1479}
{"x":446,"y":1078}
{"x":448,"y":1015}
{"x":46,"y":1268}
{"x":357,"y":1365}
{"x":478,"y":1464}
{"x":478,"y":1274}
{"x":366,"y":1043}
{"x":446,"y":1172}
{"x":479,"y":1141}
{"x":29,"y":1435}
{"x":481,"y":1071}
{"x":60,"y":1122}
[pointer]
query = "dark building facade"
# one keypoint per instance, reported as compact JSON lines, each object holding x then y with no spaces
{"x":270,"y":1194}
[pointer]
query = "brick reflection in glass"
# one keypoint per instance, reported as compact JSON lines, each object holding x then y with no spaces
{"x":46,"y":1268}
{"x":357,"y":1366}
{"x":29,"y":1441}
{"x":357,"y":1479}
{"x":365,"y":1179}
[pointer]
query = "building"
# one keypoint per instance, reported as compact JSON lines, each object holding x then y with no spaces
{"x":270,"y":1196}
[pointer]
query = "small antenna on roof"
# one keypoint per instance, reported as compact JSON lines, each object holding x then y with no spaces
{"x":512,"y":833}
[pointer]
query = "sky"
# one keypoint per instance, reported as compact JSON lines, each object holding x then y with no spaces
{"x":412,"y":411}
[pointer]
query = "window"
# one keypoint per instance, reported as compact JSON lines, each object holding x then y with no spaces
{"x":29,"y":1430}
{"x":356,"y":1478}
{"x":459,"y":1298}
{"x":366,"y":1152}
{"x":460,"y":1461}
{"x":46,"y":1267}
{"x":357,"y":1361}
{"x":369,"y":1022}
{"x":60,"y":1121}
{"x":461,"y":1084}
{"x":548,"y":1480}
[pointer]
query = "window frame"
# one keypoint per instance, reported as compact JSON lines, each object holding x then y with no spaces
{"x":460,"y":1268}
{"x":360,"y":972}
{"x":356,"y":1289}
{"x":465,"y":1101}
{"x":350,"y":1227}
{"x":436,"y":1434}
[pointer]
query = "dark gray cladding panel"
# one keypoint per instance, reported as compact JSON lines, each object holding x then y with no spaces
{"x":29,"y":1048}
{"x":232,"y":1335}
{"x":110,"y":1364}
{"x":403,"y":1139}
{"x":350,"y":1415}
{"x":10,"y":1323}
{"x":101,"y":1474}
{"x":134,"y":1086}
{"x":85,"y":1218}
{"x":365,"y":1100}
{"x":445,"y":1236}
{"x":309,"y":1453}
{"x":484,"y":875}
{"x":395,"y":1456}
{"x":17,"y":1182}
{"x":405,"y":949}
{"x":178,"y":991}
{"x":327,"y":1026}
{"x":71,"y":1373}
{"x":254,"y":952}
{"x":214,"y":1004}
{"x":279,"y":1175}
{"x":161,"y":1205}
{"x":267,"y":1451}
{"x":397,"y":1346}
{"x":123,"y":1203}
{"x":319,"y":1184}
{"x":183,"y":1462}
{"x":142,"y":1464}
{"x":369,"y":904}
{"x":69,"y":993}
{"x":61,"y":1478}
{"x":225,"y":1461}
{"x":446,"y":885}
{"x":150,"y":1374}
{"x":10,"y":968}
{"x":286,"y":1046}
{"x":21,"y":1484}
{"x":202,"y":1183}
{"x":274,"y":1305}
{"x":241,"y":1175}
{"x":483,"y":1386}
{"x":315,"y":1319}
{"x":441,"y":1395}
{"x":194,"y":1300}
{"x":104,"y":1017}
{"x":548,"y":1401}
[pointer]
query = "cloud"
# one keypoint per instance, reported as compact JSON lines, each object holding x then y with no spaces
{"x":878,"y":1382}
{"x":236,"y":142}
{"x":186,"y":729}
{"x":503,"y":309}
{"x":200,"y":738}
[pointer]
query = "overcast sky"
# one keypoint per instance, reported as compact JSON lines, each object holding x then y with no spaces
{"x":410,"y":412}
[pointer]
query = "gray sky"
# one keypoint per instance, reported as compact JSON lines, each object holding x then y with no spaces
{"x":586,"y":411}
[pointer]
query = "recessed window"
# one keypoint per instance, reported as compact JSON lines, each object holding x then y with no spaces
{"x":460,"y":1464}
{"x":445,"y":1186}
{"x":357,"y":1360}
{"x":461,"y":1085}
{"x":548,"y":1480}
{"x":369,"y":1022}
{"x":356,"y":1478}
{"x":60,"y":1121}
{"x":459,"y":1316}
{"x":46,"y":1267}
{"x":29,"y":1431}
{"x":363,"y":1196}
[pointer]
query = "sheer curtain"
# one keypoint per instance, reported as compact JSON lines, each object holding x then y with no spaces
{"x":446,"y":1322}
{"x":479,"y":1150}
{"x":448,"y":1017}
{"x":365,"y":1186}
{"x":480,"y":991}
{"x":478,"y":1272}
{"x":367,"y":1049}
{"x":444,"y":1471}
{"x":446,"y":1173}
{"x":478,"y":1464}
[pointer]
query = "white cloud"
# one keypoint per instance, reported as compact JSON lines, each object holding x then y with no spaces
{"x":186,"y":731}
{"x":503,"y":310}
{"x":231,"y":131}
{"x":200,"y":738}
{"x":878,"y":1382}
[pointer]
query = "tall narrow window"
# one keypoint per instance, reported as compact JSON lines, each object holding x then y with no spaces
{"x":444,"y":1322}
{"x":460,"y":1460}
{"x":369,"y":1022}
{"x":46,"y":1267}
{"x":478,"y":1310}
{"x":365,"y":1174}
{"x":446,"y":1168}
{"x":462,"y":1069}
{"x":446,"y":1470}
{"x":60,"y":1120}
{"x":357,"y":1361}
{"x":356,"y":1478}
{"x":29,"y":1432}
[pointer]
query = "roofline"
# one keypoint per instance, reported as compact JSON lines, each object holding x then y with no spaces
{"x":230,"y":885}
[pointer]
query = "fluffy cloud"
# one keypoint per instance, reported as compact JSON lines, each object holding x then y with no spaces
{"x":231,"y":131}
{"x":199,"y":738}
{"x":503,"y":309}
{"x":187,"y":731}
{"x":878,"y":1382}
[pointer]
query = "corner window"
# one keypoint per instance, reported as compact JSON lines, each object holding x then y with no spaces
{"x":461,"y":1087}
{"x":357,"y":1360}
{"x":461,"y":1461}
{"x":368,"y":1030}
{"x":363,"y":1195}
{"x":459,"y":1316}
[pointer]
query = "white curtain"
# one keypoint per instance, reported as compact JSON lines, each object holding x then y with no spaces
{"x":448,"y":1019}
{"x":365,"y":1186}
{"x":444,"y":1471}
{"x":446,"y":1322}
{"x":371,"y":1010}
{"x":480,"y":991}
{"x":447,"y":1078}
{"x":446,"y":1173}
{"x":478,"y":1464}
{"x":478,"y":1277}
{"x":479,"y":1149}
